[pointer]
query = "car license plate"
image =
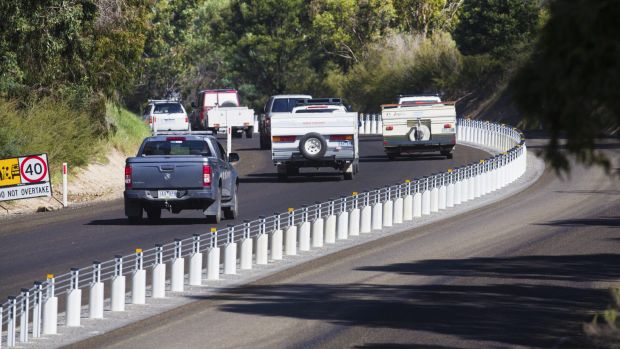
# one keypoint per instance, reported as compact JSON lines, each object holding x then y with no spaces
{"x":451,"y":130}
{"x":344,"y":144}
{"x":167,"y":194}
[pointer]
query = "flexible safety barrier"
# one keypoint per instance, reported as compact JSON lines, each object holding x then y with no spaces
{"x":34,"y":312}
{"x":370,"y":124}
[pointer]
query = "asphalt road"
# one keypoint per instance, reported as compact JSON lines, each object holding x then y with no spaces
{"x":525,"y":272}
{"x":53,"y":242}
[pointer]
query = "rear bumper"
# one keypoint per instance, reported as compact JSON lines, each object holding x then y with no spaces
{"x":331,"y":157}
{"x":186,"y":198}
{"x":436,"y":143}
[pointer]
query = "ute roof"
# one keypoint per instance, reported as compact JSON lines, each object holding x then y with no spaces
{"x":292,"y":96}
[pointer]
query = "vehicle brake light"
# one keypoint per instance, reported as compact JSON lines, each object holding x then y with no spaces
{"x":389,"y":128}
{"x":186,"y":119}
{"x":127,"y":177}
{"x":175,"y":138}
{"x":206,"y":175}
{"x":447,"y":126}
{"x":284,"y":138}
{"x":152,"y":120}
{"x":341,"y":137}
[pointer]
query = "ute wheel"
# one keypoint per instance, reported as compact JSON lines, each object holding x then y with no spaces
{"x":348,"y":176}
{"x":312,"y":146}
{"x":153,"y":213}
{"x":282,"y":172}
{"x":233,"y":211}
{"x":292,"y":171}
{"x":249,"y":133}
{"x":216,"y":218}
{"x":236,"y":134}
{"x":264,"y":144}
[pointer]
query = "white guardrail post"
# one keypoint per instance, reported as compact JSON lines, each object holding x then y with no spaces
{"x":37,"y":310}
{"x":434,"y":193}
{"x":290,"y":238}
{"x":304,"y":230}
{"x":95,"y":303}
{"x":158,"y":289}
{"x":317,"y":227}
{"x":50,"y":307}
{"x":74,"y":300}
{"x":24,"y":311}
{"x":408,"y":202}
{"x":313,"y":226}
{"x":117,"y":301}
{"x":354,"y":216}
{"x":245,"y":260}
{"x":11,"y":324}
{"x":276,"y":240}
{"x":65,"y":191}
{"x":177,"y":269}
{"x":230,"y":252}
{"x":342,"y":229}
{"x":138,"y":279}
{"x":213,"y":257}
{"x":377,"y":210}
{"x":388,"y":207}
{"x":262,"y":243}
{"x":330,"y":223}
{"x":195,"y":262}
{"x":366,"y":220}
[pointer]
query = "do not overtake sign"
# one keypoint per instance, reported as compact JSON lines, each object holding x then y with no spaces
{"x":24,"y":177}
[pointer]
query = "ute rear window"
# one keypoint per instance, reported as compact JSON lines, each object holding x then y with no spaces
{"x":176,"y":147}
{"x":167,"y":108}
{"x":283,"y":105}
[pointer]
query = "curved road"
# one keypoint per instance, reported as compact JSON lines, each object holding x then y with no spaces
{"x":32,"y":246}
{"x":525,"y":272}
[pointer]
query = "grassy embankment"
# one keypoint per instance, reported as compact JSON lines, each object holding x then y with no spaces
{"x":66,"y":134}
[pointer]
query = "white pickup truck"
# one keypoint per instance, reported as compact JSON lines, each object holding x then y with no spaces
{"x":317,"y":133}
{"x":419,"y":124}
{"x":218,"y":109}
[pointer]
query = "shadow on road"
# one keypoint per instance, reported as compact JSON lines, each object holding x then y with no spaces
{"x":302,"y":178}
{"x":162,"y":221}
{"x":599,"y":222}
{"x":418,"y":157}
{"x":522,"y":312}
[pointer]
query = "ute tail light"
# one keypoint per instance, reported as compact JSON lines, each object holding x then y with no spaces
{"x":186,"y":119}
{"x":283,"y":138}
{"x":206,"y":175}
{"x":389,"y":128}
{"x":341,"y":137}
{"x":127,"y":177}
{"x":447,"y":126}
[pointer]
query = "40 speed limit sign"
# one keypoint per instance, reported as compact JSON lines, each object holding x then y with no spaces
{"x":24,"y":177}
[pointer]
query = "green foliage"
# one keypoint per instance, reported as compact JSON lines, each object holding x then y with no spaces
{"x":401,"y":64}
{"x":571,"y":84}
{"x":495,"y":26}
{"x":128,"y":129}
{"x":427,"y":16}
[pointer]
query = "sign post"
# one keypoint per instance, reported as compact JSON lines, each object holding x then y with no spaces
{"x":24,"y":177}
{"x":64,"y":184}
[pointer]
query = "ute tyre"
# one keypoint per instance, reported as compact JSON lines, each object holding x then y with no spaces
{"x":134,"y":219}
{"x":312,"y":146}
{"x":249,"y":133}
{"x":216,"y":218}
{"x":153,"y":213}
{"x":348,"y":176}
{"x":233,"y":211}
{"x":392,"y":156}
{"x":448,"y":155}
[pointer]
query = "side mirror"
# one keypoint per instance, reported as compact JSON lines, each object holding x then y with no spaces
{"x":349,"y":107}
{"x":193,"y":105}
{"x":233,"y":157}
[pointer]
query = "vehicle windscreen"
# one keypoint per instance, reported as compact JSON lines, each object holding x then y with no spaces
{"x":283,"y":105}
{"x":167,"y":108}
{"x":176,"y":147}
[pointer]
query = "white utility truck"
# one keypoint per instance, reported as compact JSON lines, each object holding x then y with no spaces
{"x":316,"y":133}
{"x":419,"y":124}
{"x":218,"y":109}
